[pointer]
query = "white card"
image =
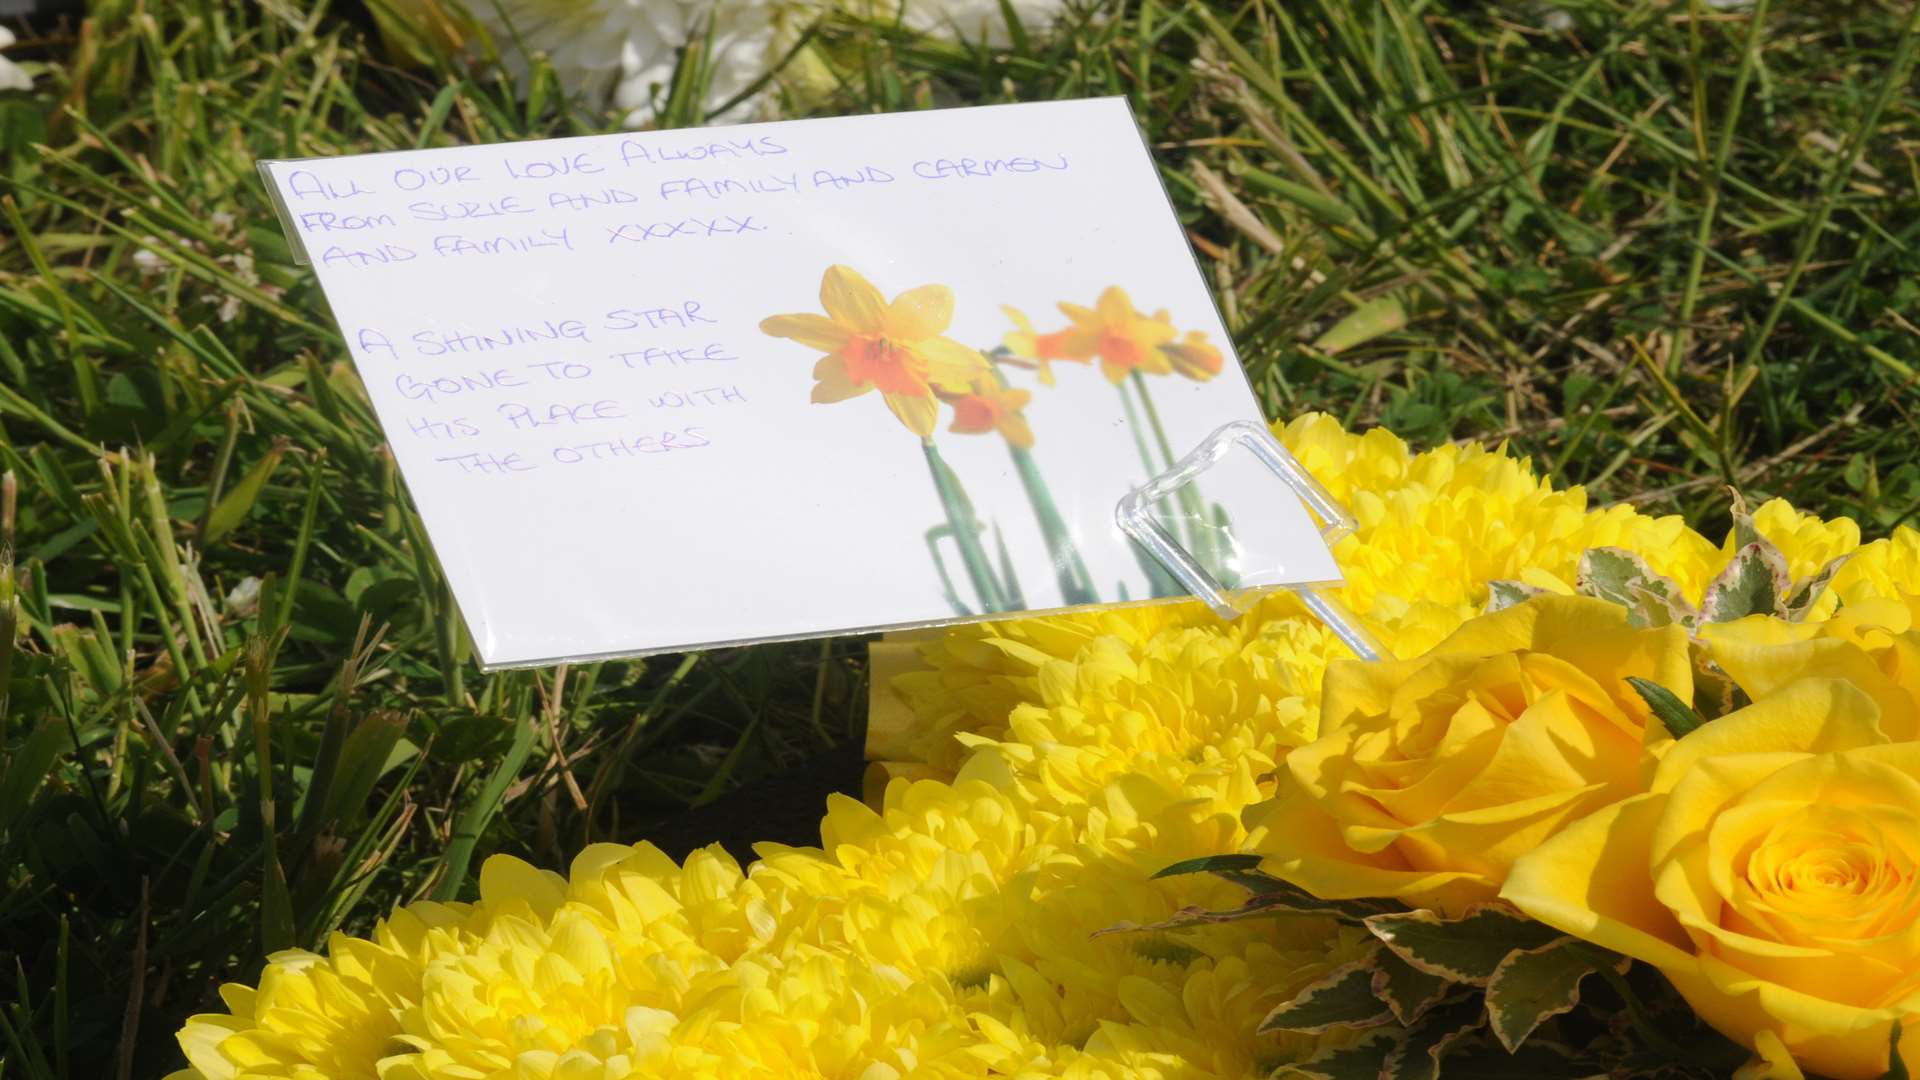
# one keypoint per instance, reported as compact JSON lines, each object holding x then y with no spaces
{"x":663,"y":390}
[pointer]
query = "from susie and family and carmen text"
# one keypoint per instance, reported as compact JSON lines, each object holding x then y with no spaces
{"x":629,"y":381}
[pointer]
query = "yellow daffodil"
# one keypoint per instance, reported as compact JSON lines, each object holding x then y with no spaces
{"x":1027,"y":348}
{"x":1121,"y":337}
{"x":895,"y":348}
{"x":1194,"y":357}
{"x":988,"y":406}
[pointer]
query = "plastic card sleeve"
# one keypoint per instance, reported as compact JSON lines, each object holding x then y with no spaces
{"x":1233,"y":544}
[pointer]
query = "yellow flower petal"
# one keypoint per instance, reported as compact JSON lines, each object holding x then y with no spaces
{"x":1771,"y":1061}
{"x":1811,"y":716}
{"x":506,"y":883}
{"x":950,"y":365}
{"x":1115,"y":308}
{"x":818,"y":331}
{"x":1017,"y":431}
{"x":1593,"y":881}
{"x":1081,"y":316}
{"x":852,"y":300}
{"x":834,"y":384}
{"x":919,"y":412}
{"x":920,"y":313}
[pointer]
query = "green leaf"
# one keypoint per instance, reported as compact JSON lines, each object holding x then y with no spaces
{"x":1343,"y":998}
{"x":1532,"y":985}
{"x":1505,"y":594}
{"x":1406,"y":989}
{"x":27,"y":767}
{"x":1208,"y":864}
{"x":1896,"y":1065}
{"x":1753,"y":583}
{"x":1468,"y":949}
{"x":1417,"y":1057}
{"x":1370,"y":320}
{"x":369,"y":752}
{"x":234,"y":506}
{"x":1271,"y":895}
{"x":1287,"y":900}
{"x":1679,"y":717}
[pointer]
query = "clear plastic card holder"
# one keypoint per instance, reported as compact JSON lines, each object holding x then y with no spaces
{"x":1227,"y":541}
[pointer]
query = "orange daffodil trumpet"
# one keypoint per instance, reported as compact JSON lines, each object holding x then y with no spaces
{"x":988,"y":406}
{"x":1124,"y":340}
{"x":893,"y":347}
{"x":1025,"y":347}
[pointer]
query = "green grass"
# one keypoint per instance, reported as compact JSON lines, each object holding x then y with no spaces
{"x":1664,"y":249}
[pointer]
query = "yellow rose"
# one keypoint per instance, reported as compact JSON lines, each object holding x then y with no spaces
{"x":1430,"y":776}
{"x":1870,"y":643}
{"x":1772,"y":872}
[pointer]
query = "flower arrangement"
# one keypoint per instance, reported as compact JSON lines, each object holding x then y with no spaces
{"x":1676,"y":770}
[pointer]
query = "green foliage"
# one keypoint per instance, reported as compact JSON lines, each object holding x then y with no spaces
{"x":1489,"y":992}
{"x":1677,"y":715}
{"x":1660,"y":251}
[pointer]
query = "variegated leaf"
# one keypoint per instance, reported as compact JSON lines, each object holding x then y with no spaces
{"x":1418,"y":1056}
{"x":1715,"y":694}
{"x":1532,"y":985}
{"x":1753,"y":583}
{"x":1606,"y":572}
{"x":1467,"y":949}
{"x":1342,"y":998}
{"x":1745,"y":532}
{"x":1406,"y":989}
{"x":1505,"y":594}
{"x":1623,"y":577}
{"x":1362,"y":1060}
{"x":1806,"y":593}
{"x":1658,"y":601}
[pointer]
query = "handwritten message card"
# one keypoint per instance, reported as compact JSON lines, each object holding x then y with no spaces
{"x":674,"y":389}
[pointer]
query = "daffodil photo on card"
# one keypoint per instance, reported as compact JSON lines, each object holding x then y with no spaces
{"x":1043,"y":395}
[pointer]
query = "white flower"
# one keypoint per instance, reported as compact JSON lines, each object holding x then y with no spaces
{"x":147,"y":261}
{"x":974,"y":20}
{"x":625,"y":51}
{"x":244,"y":600}
{"x":12,"y":75}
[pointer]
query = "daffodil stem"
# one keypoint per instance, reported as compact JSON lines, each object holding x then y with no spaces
{"x":1153,"y":421}
{"x":966,"y":532}
{"x":1159,"y":581}
{"x":1076,"y":584}
{"x":1199,"y":524}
